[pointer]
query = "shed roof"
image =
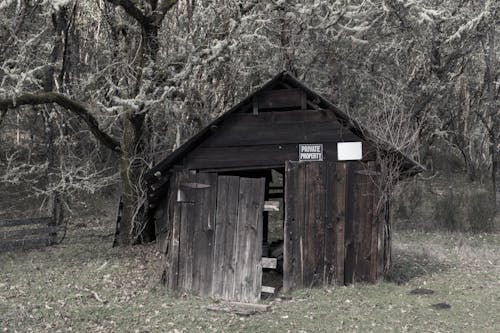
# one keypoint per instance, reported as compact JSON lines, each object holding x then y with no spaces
{"x":409,"y":166}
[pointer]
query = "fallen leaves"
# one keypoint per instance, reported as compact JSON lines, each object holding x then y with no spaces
{"x":93,"y":287}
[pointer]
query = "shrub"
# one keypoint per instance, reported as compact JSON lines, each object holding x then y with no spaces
{"x":480,"y":210}
{"x":447,"y":210}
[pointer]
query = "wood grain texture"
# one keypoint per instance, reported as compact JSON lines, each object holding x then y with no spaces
{"x":339,"y":203}
{"x":273,"y":130}
{"x":366,"y":199}
{"x":313,"y":230}
{"x":173,"y":255}
{"x":21,"y":233}
{"x":204,"y":236}
{"x":24,"y":243}
{"x":282,"y":98}
{"x":257,"y":156}
{"x":350,"y":254}
{"x":225,"y":229}
{"x":248,"y":271}
{"x":29,"y":221}
{"x":330,"y":232}
{"x":289,"y":226}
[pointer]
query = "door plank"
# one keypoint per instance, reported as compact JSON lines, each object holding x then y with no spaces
{"x":248,"y":274}
{"x":313,"y":228}
{"x":225,"y":236}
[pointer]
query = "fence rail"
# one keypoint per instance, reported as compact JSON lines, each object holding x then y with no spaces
{"x":27,"y":233}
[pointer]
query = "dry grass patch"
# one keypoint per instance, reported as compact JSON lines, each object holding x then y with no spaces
{"x":85,"y":285}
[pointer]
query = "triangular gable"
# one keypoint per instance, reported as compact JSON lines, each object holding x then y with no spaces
{"x":282,"y":92}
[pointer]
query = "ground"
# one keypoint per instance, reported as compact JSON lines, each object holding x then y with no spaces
{"x":84,"y":285}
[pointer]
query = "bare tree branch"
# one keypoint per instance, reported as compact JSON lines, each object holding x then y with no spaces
{"x":78,"y":108}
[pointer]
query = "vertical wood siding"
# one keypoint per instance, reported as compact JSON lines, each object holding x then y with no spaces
{"x":333,"y":233}
{"x":214,"y":247}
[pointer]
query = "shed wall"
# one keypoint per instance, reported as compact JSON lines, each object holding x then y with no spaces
{"x":270,"y":139}
{"x":334,"y":225}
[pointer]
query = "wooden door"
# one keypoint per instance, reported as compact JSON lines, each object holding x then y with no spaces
{"x":238,"y":239}
{"x":214,"y":245}
{"x":191,"y":225}
{"x":304,"y":231}
{"x":332,"y":231}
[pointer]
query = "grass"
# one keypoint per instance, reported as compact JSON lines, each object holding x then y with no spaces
{"x":84,"y":285}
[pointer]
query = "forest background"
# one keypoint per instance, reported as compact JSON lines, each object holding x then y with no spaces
{"x":94,"y":93}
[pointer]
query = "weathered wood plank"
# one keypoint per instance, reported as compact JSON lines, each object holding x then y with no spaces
{"x":231,"y":235}
{"x":289,"y":117}
{"x":173,"y":239}
{"x":270,"y":132}
{"x":256,"y":156}
{"x":241,"y":252}
{"x":298,"y":224}
{"x":219,"y":267}
{"x":268,"y":290}
{"x":365,"y":198}
{"x":204,"y":233}
{"x":313,"y":227}
{"x":340,"y":188}
{"x":350,"y":228}
{"x":13,"y":234}
{"x":239,"y":309}
{"x":20,"y":222}
{"x":269,"y":263}
{"x":225,"y":236}
{"x":271,"y":206}
{"x":248,"y":274}
{"x":330,"y":239}
{"x":163,"y":220}
{"x":24,"y":243}
{"x":200,"y":207}
{"x":360,"y":216}
{"x":255,"y":107}
{"x":186,"y":247}
{"x":289,"y":226}
{"x":257,"y":307}
{"x":186,"y":239}
{"x":281,"y":98}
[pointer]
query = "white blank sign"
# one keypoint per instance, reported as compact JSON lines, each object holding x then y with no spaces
{"x":349,"y":151}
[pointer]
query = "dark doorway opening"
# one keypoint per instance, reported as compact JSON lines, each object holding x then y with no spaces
{"x":274,"y":218}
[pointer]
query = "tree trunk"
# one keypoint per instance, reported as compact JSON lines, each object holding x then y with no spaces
{"x":492,"y":118}
{"x":129,"y":181}
{"x":56,"y":208}
{"x":61,"y":25}
{"x":131,"y":224}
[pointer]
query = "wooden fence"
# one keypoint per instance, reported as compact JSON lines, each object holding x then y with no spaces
{"x":27,"y":233}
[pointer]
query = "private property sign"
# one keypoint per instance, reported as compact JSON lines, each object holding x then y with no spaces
{"x":310,"y":152}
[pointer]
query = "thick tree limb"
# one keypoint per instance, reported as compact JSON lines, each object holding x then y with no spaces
{"x":131,"y":9}
{"x":165,"y":5}
{"x":78,"y":108}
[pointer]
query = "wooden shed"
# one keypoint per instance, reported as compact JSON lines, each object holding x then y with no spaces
{"x":287,"y":149}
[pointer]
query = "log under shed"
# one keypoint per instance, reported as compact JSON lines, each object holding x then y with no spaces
{"x":283,"y":183}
